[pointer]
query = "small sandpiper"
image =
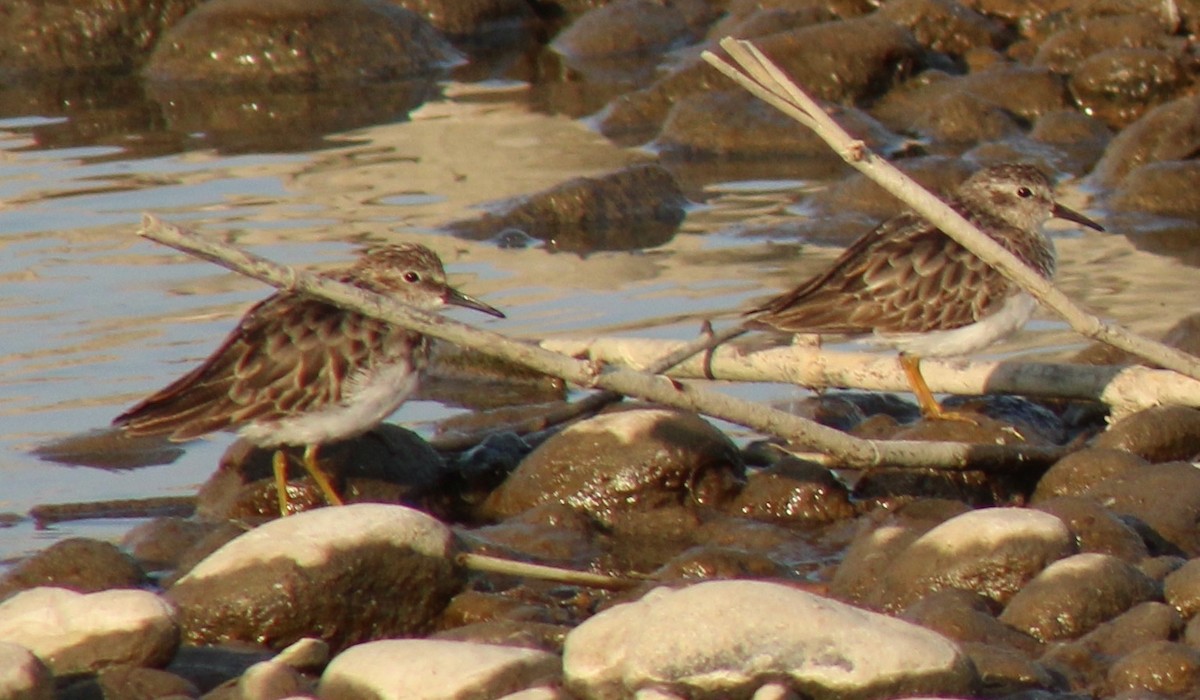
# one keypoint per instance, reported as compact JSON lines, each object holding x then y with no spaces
{"x":916,"y":289}
{"x":297,"y":371}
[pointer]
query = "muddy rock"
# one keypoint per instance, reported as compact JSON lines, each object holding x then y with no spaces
{"x":742,"y":641}
{"x":1167,"y":188}
{"x":320,"y":570}
{"x":1096,"y":529}
{"x":1168,"y":132}
{"x":420,"y":668}
{"x":846,"y":61}
{"x":637,"y":460}
{"x":1074,"y":595}
{"x":967,"y":617}
{"x":1119,"y":85}
{"x":1166,"y":668}
{"x":794,"y":491}
{"x":1156,"y":434}
{"x":1063,"y":51}
{"x":882,"y":536}
{"x":993,"y":552}
{"x":729,"y":124}
{"x":22,"y":675}
{"x":637,"y":207}
{"x":1181,"y":588}
{"x":945,"y":25}
{"x":624,"y":27}
{"x":1079,"y":471}
{"x":475,"y":19}
{"x":77,"y":564}
{"x":1139,"y":494}
{"x":78,"y":633}
{"x":285,"y":44}
{"x":92,"y":35}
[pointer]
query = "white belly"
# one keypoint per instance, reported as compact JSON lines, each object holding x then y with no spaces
{"x":968,"y":339}
{"x":366,"y":406}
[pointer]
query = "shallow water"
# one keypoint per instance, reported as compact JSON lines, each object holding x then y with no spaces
{"x":92,"y":317}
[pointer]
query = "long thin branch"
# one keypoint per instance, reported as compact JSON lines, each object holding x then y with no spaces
{"x":1124,"y":389}
{"x":848,"y":450}
{"x":765,"y":80}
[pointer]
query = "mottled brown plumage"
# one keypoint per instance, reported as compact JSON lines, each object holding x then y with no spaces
{"x":299,"y":371}
{"x":917,"y":289}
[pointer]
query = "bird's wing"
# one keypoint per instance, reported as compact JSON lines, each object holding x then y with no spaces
{"x":276,"y":363}
{"x":904,"y":276}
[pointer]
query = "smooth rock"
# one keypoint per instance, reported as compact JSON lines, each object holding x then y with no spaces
{"x":398,"y":669}
{"x":624,"y":27}
{"x":968,"y":618}
{"x":1074,"y":595}
{"x":1167,"y":188}
{"x":1140,"y":494}
{"x":22,"y":675}
{"x":1168,"y":132}
{"x":79,"y":564}
{"x":992,"y":551}
{"x":1097,"y":529}
{"x":1166,"y":668}
{"x":728,"y":638}
{"x":945,"y":25}
{"x":1076,"y":473}
{"x":794,"y":491}
{"x":1181,"y":588}
{"x":79,"y":633}
{"x":343,"y":574}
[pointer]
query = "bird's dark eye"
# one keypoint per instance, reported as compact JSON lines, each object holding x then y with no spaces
{"x":412,"y":277}
{"x":1024,"y":192}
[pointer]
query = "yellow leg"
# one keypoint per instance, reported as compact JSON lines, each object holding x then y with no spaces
{"x":930,"y":408}
{"x":279,"y":464}
{"x":314,"y":470}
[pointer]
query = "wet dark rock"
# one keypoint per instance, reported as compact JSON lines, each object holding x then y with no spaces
{"x":1007,"y":672}
{"x":77,"y":564}
{"x":993,"y":552}
{"x":1074,"y":595}
{"x":882,"y":537}
{"x":966,"y":617}
{"x":22,"y":675}
{"x":95,"y":35}
{"x":551,"y":532}
{"x":736,"y":125}
{"x":423,"y":668}
{"x":1063,"y":51}
{"x":217,"y":535}
{"x":794,"y":491}
{"x":1156,"y":434}
{"x":1159,"y":567}
{"x":1169,"y":668}
{"x":1181,"y":588}
{"x":1167,"y":132}
{"x":707,"y":562}
{"x":509,"y":633}
{"x":322,"y":571}
{"x":1119,"y":85}
{"x":208,"y":667}
{"x":624,"y":27}
{"x":945,"y":25}
{"x":290,"y":45}
{"x":1019,"y":12}
{"x":638,"y":460}
{"x":1184,"y":335}
{"x":159,"y":543}
{"x":822,"y":648}
{"x":847,"y":62}
{"x":637,"y":207}
{"x":1035,"y":423}
{"x":389,"y":464}
{"x":1084,"y":662}
{"x":1076,"y":473}
{"x":1140,"y":494}
{"x":129,"y":682}
{"x":1096,"y":529}
{"x":81,"y":633}
{"x":751,"y":20}
{"x":1166,"y":188}
{"x":475,"y":19}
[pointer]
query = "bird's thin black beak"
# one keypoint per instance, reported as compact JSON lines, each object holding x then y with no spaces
{"x":1071,"y":215}
{"x":457,"y":298}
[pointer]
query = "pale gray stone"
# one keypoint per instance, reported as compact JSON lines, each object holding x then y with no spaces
{"x":22,"y":675}
{"x":77,"y":633}
{"x":732,"y":637}
{"x":431,"y":669}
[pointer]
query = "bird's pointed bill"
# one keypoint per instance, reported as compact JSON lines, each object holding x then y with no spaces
{"x":1069,"y":214}
{"x":457,"y":298}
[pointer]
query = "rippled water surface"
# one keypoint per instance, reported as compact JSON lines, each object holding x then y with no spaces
{"x":93,"y":317}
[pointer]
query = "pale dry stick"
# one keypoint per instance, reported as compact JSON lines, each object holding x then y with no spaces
{"x":765,"y":80}
{"x":542,"y":572}
{"x":849,"y":451}
{"x":1124,"y":389}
